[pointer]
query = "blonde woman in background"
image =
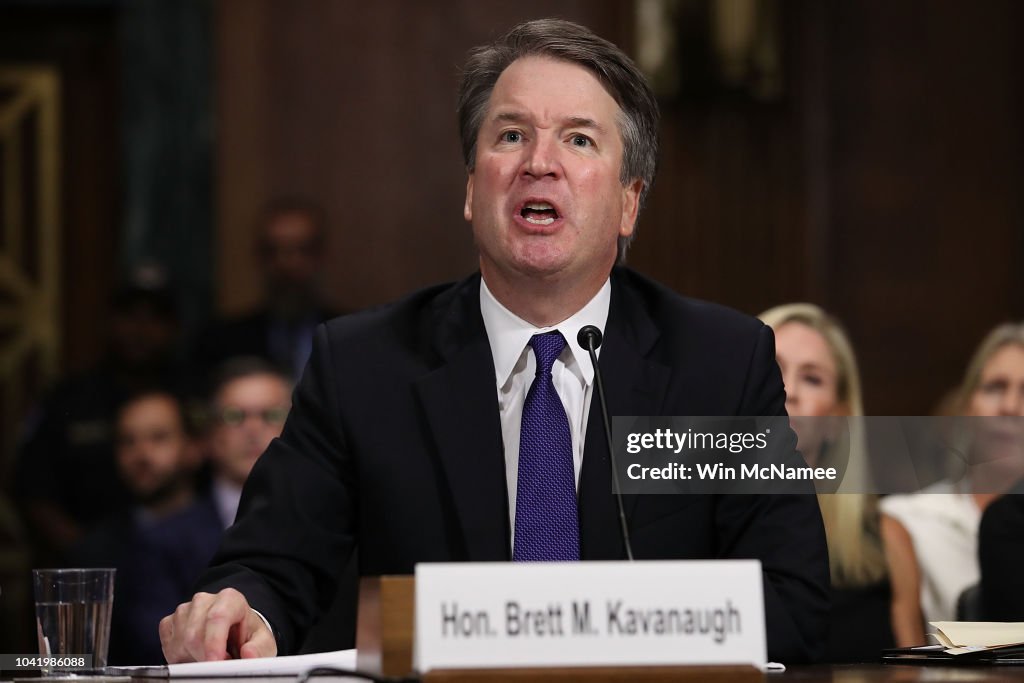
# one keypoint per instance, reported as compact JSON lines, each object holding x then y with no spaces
{"x":820,"y":372}
{"x":931,"y":539}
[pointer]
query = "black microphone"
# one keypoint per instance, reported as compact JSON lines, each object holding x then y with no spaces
{"x":590,"y":339}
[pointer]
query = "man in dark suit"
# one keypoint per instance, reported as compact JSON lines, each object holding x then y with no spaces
{"x":411,"y":438}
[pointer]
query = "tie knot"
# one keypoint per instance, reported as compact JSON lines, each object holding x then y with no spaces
{"x":547,"y":347}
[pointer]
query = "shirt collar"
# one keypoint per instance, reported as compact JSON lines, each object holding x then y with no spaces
{"x":509,"y":334}
{"x":226,"y":496}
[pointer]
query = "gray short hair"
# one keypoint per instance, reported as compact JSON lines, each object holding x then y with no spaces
{"x":569,"y":42}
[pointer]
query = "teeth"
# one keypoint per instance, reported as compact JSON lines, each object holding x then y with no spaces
{"x":540,"y":221}
{"x":540,"y":206}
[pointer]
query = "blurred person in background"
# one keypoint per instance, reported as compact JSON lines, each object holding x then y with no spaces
{"x":291,"y":254}
{"x":931,"y":537}
{"x":249,"y":402}
{"x":819,"y":370}
{"x":65,"y":474}
{"x":1001,"y":555}
{"x":161,"y":545}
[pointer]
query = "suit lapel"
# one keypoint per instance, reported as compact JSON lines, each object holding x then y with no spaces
{"x":634,"y":385}
{"x":459,"y":400}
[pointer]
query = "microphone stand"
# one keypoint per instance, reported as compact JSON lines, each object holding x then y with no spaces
{"x":590,"y":339}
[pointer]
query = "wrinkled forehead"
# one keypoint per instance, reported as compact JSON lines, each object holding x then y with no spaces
{"x":532,"y":73}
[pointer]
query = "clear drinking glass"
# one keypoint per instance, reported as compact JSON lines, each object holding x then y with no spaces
{"x":73,"y":608}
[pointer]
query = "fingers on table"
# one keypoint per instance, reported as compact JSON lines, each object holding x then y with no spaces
{"x":199,"y":630}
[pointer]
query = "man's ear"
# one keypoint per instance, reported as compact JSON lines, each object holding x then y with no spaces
{"x":630,"y":206}
{"x":467,"y":209}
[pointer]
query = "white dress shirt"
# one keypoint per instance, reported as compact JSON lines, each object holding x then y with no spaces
{"x":515,"y":367}
{"x":226,"y":496}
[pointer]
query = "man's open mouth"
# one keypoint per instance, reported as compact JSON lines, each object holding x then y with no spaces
{"x":539,"y":213}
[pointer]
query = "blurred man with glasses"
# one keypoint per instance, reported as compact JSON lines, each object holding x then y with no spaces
{"x":248,"y":405}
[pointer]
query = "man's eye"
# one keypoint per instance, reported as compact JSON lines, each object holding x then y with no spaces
{"x":581,"y":141}
{"x":511,"y":136}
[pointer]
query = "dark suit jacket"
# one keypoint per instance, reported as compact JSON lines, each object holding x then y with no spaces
{"x":394,"y":445}
{"x":1000,"y":555}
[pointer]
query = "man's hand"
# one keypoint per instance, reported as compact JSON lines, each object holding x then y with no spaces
{"x":215,"y":627}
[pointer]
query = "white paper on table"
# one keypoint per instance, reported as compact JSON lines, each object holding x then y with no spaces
{"x":265,"y":666}
{"x":983,"y":633}
{"x":293,"y":665}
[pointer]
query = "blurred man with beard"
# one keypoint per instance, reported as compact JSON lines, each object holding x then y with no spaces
{"x":290,"y":253}
{"x":163,"y":543}
{"x":249,"y":402}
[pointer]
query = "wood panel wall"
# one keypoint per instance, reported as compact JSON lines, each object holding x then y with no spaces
{"x":927,"y":164}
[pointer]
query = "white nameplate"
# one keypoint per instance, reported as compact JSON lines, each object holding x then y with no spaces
{"x":487,"y":615}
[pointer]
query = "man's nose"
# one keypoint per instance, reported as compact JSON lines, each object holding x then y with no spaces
{"x":542,"y":158}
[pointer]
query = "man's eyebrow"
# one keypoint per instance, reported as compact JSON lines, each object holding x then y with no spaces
{"x":584,"y":122}
{"x":509,"y":117}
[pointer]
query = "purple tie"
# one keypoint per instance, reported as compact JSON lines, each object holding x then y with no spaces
{"x":547,"y":526}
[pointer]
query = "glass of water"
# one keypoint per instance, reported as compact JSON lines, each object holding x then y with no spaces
{"x":73,"y":608}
